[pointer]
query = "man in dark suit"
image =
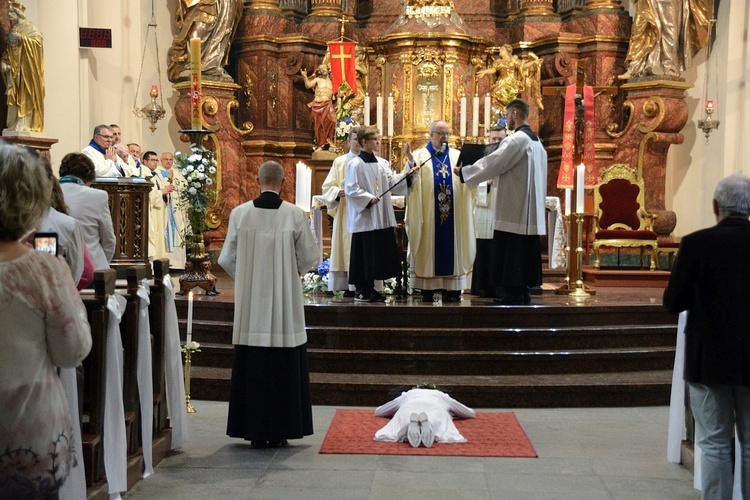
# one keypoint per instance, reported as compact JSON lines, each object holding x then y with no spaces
{"x":711,"y":280}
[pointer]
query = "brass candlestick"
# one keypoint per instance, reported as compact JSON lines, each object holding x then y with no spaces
{"x":574,"y":285}
{"x":188,"y":363}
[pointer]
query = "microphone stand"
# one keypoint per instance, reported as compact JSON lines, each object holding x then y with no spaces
{"x":442,"y":149}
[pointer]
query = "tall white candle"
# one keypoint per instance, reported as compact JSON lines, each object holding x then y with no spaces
{"x":567,"y":202}
{"x":390,"y":115}
{"x":367,"y":110}
{"x":475,"y":116}
{"x":189,"y":336}
{"x":303,"y":186}
{"x":463,"y":116}
{"x":379,"y":113}
{"x":580,"y":173}
{"x":487,"y":114}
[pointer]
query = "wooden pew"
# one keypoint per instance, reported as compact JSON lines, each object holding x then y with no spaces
{"x":156,"y":319}
{"x":92,"y":395}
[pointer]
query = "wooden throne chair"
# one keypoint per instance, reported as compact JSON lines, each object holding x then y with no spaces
{"x":620,"y":219}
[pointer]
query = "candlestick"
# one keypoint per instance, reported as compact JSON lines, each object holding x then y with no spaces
{"x":567,"y":202}
{"x":580,"y":172}
{"x":475,"y":116}
{"x":487,"y":114}
{"x":303,"y":186}
{"x":390,"y":115}
{"x":189,"y":336}
{"x":195,"y":82}
{"x":463,"y":116}
{"x":367,"y":110}
{"x":379,"y":113}
{"x":188,"y":363}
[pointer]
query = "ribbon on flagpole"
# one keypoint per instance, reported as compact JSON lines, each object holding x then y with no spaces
{"x":343,"y":67}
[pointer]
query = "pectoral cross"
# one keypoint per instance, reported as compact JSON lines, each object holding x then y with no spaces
{"x":443,"y":170}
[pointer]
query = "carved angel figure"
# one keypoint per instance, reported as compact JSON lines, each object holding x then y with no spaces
{"x":510,"y":75}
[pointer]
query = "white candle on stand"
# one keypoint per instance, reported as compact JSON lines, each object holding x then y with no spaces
{"x":463,"y":116}
{"x":303,"y":186}
{"x":379,"y":113}
{"x":189,"y":336}
{"x":580,"y":172}
{"x":367,"y":110}
{"x":475,"y":116}
{"x":487,"y":114}
{"x":390,"y":115}
{"x":567,"y":202}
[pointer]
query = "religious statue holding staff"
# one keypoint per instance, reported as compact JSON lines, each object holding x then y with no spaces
{"x":322,"y":112}
{"x":23,"y":71}
{"x":214,"y":22}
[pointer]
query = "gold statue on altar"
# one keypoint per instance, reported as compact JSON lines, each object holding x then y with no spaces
{"x":510,"y":75}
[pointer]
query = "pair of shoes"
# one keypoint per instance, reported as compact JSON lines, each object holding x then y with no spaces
{"x":425,"y":430}
{"x":280,"y":443}
{"x":362,"y":297}
{"x":349,"y":294}
{"x":413,"y":433}
{"x":428,"y":295}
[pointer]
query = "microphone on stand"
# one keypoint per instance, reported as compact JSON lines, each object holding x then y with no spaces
{"x":442,"y":150}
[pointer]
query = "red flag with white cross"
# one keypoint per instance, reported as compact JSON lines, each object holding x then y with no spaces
{"x":343,"y":64}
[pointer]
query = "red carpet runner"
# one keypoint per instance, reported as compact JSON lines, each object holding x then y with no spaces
{"x":489,"y":435}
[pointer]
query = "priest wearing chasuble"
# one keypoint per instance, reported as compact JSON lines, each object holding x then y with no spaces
{"x":268,"y":246}
{"x":439,"y":220}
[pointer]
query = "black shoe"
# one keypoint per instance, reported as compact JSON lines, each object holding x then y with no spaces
{"x":280,"y":443}
{"x":349,"y":294}
{"x":452,"y":296}
{"x":376,"y":297}
{"x":362,"y":297}
{"x":259,"y":444}
{"x":428,"y":295}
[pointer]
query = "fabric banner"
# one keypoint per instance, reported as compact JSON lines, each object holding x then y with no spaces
{"x":74,"y":487}
{"x":343,"y":65}
{"x":174,"y":378}
{"x":566,"y":176}
{"x":145,"y":380}
{"x":115,"y":442}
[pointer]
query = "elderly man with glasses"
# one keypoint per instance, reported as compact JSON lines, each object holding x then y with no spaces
{"x":102,"y":152}
{"x":439,"y":220}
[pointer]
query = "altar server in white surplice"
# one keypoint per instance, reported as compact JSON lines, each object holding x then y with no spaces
{"x":269,"y":245}
{"x":434,"y":411}
{"x":335,"y":198}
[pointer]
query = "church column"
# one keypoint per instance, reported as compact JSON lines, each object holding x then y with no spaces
{"x":603,"y":4}
{"x":326,"y":8}
{"x":262,"y":5}
{"x":534,"y":8}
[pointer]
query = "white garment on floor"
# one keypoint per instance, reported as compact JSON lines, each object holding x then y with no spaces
{"x":439,"y":407}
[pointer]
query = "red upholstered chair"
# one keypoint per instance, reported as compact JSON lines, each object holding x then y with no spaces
{"x":619,"y":214}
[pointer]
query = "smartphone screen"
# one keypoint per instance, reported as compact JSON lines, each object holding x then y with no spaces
{"x":46,"y":242}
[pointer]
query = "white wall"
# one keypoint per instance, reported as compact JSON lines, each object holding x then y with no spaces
{"x":86,"y":87}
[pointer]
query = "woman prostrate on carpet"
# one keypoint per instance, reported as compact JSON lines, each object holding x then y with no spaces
{"x":422,"y":416}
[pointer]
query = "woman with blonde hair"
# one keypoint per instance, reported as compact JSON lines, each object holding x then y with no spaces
{"x":43,"y":326}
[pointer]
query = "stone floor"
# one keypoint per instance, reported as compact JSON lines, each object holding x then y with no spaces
{"x":584,"y":453}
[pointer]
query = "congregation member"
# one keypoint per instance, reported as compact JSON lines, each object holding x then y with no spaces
{"x":335,"y":199}
{"x":520,"y":166}
{"x":44,"y":328}
{"x":439,"y":220}
{"x":709,"y":280}
{"x":102,"y":153}
{"x":176,"y":216}
{"x":374,"y":253}
{"x":484,"y":215}
{"x":269,"y":245}
{"x":422,"y":416}
{"x":70,"y":244}
{"x":159,"y":207}
{"x":89,"y":207}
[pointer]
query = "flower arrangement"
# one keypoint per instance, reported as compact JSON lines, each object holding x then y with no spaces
{"x":344,"y":128}
{"x":199,"y":192}
{"x":315,"y":281}
{"x":192,"y":347}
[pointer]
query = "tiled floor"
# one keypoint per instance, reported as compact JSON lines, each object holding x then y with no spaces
{"x":584,"y":453}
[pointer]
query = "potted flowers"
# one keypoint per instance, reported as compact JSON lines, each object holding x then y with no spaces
{"x":197,"y":194}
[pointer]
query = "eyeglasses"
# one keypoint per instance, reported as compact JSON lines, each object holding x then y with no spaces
{"x":442,"y":134}
{"x":105,"y":136}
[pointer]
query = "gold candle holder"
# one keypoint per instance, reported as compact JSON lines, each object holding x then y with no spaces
{"x":574,"y":285}
{"x":188,"y":364}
